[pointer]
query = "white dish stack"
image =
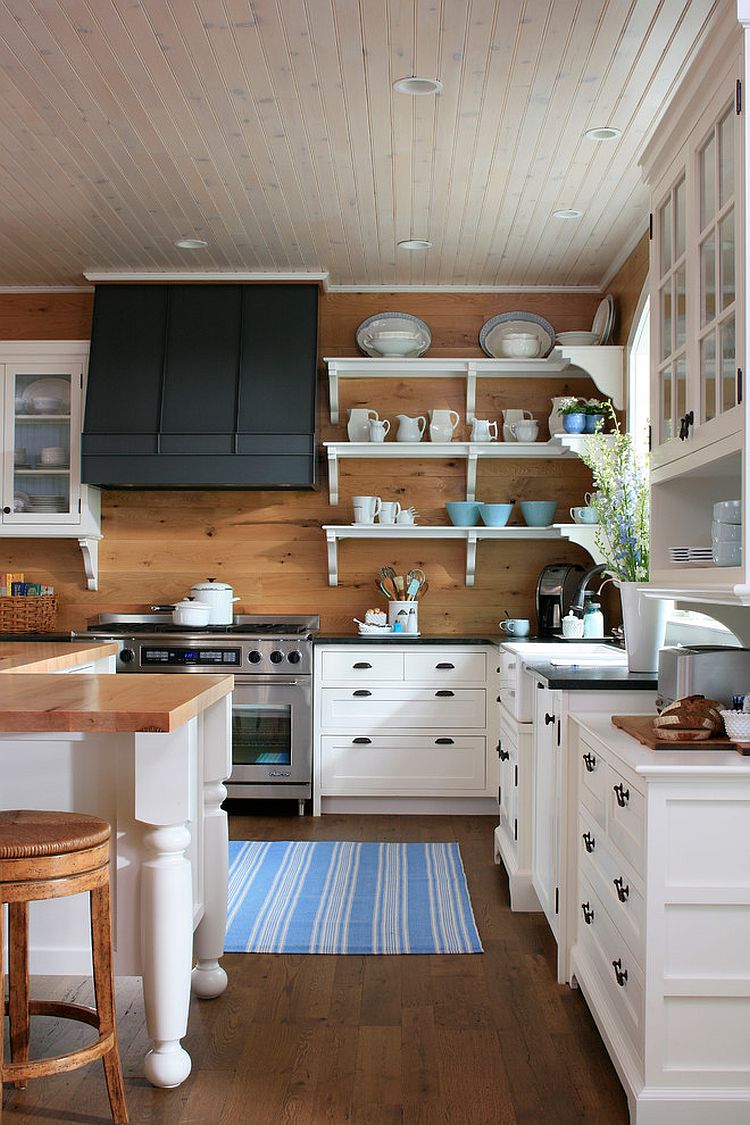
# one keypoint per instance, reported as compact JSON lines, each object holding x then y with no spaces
{"x":726,"y":533}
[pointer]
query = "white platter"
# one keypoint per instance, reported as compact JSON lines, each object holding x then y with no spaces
{"x":412,"y":328}
{"x":604,"y":319}
{"x":51,"y":388}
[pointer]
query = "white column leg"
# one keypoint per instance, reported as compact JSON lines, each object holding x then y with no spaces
{"x":166,"y":941}
{"x":209,"y":978}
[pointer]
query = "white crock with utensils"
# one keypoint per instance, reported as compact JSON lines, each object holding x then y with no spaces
{"x":410,"y":429}
{"x":442,"y":424}
{"x":389,"y":511}
{"x":483,"y":430}
{"x":366,"y":508}
{"x":219,"y":597}
{"x":378,"y":431}
{"x":407,"y":613}
{"x":358,"y":427}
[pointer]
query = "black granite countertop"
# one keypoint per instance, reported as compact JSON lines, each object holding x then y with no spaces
{"x":600,"y":678}
{"x":403,"y":638}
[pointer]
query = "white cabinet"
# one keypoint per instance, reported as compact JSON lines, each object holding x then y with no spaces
{"x":42,"y":410}
{"x":661,"y":848}
{"x":403,"y":721}
{"x":546,"y":850}
{"x":513,"y":843}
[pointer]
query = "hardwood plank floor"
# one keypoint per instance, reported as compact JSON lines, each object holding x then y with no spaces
{"x":486,"y":1039}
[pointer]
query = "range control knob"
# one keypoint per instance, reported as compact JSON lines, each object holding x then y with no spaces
{"x":276,"y":656}
{"x":254,"y":657}
{"x":294,"y":657}
{"x":127,"y":656}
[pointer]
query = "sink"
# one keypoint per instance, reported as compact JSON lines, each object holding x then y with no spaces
{"x":569,"y":652}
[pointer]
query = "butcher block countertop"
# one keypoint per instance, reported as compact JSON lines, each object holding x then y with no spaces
{"x":51,"y":656}
{"x":106,"y":703}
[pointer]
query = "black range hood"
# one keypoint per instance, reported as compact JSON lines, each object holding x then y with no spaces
{"x":202,"y":386}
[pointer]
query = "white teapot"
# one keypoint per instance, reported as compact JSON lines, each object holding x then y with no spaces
{"x":410,"y":429}
{"x":483,"y":430}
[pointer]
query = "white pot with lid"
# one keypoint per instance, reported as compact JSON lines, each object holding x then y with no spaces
{"x":191,"y":612}
{"x":219,"y":597}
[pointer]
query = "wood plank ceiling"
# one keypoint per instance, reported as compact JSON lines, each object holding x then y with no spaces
{"x":271,"y":130}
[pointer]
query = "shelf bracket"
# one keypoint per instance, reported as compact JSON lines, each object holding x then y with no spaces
{"x":471,"y":391}
{"x":471,"y":557}
{"x":333,"y":476}
{"x":471,"y":475}
{"x":333,"y":560}
{"x":333,"y":392}
{"x":90,"y":552}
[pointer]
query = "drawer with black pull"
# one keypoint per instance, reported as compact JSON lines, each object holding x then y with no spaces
{"x":435,"y":665}
{"x":355,"y":764}
{"x":380,"y":709}
{"x":613,"y":880}
{"x":358,"y":666}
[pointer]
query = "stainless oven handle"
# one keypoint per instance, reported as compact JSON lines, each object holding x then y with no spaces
{"x":247,"y":681}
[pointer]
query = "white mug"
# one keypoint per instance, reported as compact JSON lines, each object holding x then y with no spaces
{"x":481,"y":430}
{"x":358,"y":428}
{"x":442,"y":424}
{"x":390,"y":510}
{"x":366,"y":508}
{"x":379,"y":430}
{"x":410,"y":429}
{"x":524,"y":431}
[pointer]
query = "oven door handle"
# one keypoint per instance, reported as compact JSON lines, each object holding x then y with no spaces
{"x":264,"y":681}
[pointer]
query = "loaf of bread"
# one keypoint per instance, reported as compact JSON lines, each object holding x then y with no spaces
{"x":692,"y":713}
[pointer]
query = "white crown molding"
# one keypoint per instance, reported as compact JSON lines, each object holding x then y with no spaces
{"x":624,"y":254}
{"x":464,"y":288}
{"x":207,"y":275}
{"x":10,"y":289}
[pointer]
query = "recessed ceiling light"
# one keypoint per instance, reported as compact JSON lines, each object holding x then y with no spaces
{"x":603,"y":133}
{"x":414,"y":244}
{"x":191,"y":243}
{"x":567,"y":213}
{"x":417,"y":86}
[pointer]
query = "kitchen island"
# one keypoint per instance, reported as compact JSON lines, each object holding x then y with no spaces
{"x":149,"y":756}
{"x":57,"y":656}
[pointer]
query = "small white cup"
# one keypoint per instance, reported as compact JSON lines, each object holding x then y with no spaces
{"x":406,"y":516}
{"x":379,"y":430}
{"x":366,"y":508}
{"x":390,"y":510}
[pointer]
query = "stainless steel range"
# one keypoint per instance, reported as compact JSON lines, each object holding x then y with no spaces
{"x":271,"y":659}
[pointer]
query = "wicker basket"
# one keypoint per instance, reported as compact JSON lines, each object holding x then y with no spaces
{"x":28,"y":615}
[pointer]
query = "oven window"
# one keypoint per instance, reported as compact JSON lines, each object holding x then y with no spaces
{"x":262,"y":735}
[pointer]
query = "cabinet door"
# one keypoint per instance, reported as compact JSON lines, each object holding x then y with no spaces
{"x":41,"y":477}
{"x":507,"y":749}
{"x":545,"y":850}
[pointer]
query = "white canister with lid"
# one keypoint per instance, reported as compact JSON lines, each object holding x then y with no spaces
{"x":219,"y":597}
{"x":190,"y":612}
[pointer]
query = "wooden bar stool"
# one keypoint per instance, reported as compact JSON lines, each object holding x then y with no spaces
{"x":47,"y":855}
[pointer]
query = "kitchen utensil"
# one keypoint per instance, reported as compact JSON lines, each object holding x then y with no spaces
{"x":389,"y":511}
{"x":538,"y":513}
{"x":442,"y":424}
{"x":384,"y":589}
{"x":604,"y":319}
{"x":463,"y":513}
{"x":358,"y":427}
{"x":493,"y":331}
{"x":495,"y":515}
{"x":400,"y":584}
{"x":422,"y":591}
{"x":483,"y":430}
{"x":219,"y":596}
{"x":528,"y":430}
{"x":387,"y":572}
{"x":191,"y":612}
{"x":410,"y":429}
{"x":366,"y":508}
{"x":379,"y":431}
{"x":416,"y":574}
{"x":374,"y":327}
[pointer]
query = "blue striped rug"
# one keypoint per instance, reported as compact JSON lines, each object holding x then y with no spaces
{"x":341,"y":897}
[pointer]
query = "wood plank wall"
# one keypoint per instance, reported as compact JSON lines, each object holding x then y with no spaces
{"x":269,"y":546}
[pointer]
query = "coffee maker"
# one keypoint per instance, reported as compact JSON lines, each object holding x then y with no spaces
{"x":555,"y":589}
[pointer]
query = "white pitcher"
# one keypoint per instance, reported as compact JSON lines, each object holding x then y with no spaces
{"x":511,"y":416}
{"x":555,"y":420}
{"x":410,"y":429}
{"x":442,"y":424}
{"x":482,"y":430}
{"x":358,"y":428}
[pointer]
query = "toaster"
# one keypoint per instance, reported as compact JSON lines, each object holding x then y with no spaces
{"x":716,"y":671}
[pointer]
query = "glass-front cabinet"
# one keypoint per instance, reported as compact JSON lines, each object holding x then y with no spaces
{"x":43,"y":384}
{"x":695,"y":284}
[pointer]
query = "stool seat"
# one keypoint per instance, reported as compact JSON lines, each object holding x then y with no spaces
{"x":47,"y":855}
{"x":28,"y":833}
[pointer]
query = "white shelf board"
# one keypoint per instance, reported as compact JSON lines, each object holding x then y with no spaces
{"x":471,"y":451}
{"x":577,"y":533}
{"x":603,"y":364}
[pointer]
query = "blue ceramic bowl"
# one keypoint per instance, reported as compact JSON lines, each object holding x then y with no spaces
{"x":591,"y":422}
{"x":538,"y":513}
{"x":495,"y":515}
{"x":463,"y":513}
{"x":574,"y":423}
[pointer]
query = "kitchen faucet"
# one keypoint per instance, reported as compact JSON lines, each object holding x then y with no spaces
{"x":577,"y":603}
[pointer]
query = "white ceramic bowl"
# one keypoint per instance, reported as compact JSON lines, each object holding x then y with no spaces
{"x":46,"y":405}
{"x":394,"y":343}
{"x":520,"y":345}
{"x":577,"y":339}
{"x":737,"y":725}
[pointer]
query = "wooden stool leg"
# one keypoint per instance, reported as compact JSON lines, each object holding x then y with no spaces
{"x":18,"y":977}
{"x":104,"y":992}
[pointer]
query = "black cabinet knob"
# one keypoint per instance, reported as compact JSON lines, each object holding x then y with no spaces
{"x":622,"y":794}
{"x":621,"y":975}
{"x":361,"y":664}
{"x":443,"y":694}
{"x":588,"y":913}
{"x":622,"y":888}
{"x":361,"y":741}
{"x":588,"y":841}
{"x":503,"y":754}
{"x":7,"y":511}
{"x":590,"y":762}
{"x":362,"y":692}
{"x":446,"y":665}
{"x":548,"y":719}
{"x":444,"y":742}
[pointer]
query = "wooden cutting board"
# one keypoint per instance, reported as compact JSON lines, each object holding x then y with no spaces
{"x":642,"y":728}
